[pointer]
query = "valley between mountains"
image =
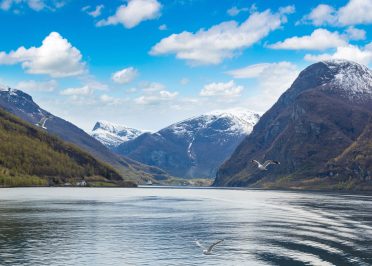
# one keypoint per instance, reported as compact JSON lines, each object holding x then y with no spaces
{"x":320,"y":130}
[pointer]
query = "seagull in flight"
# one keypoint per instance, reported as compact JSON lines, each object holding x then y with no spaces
{"x":208,"y":251}
{"x":263,"y":167}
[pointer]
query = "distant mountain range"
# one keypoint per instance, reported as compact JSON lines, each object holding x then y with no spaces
{"x":30,"y":156}
{"x":112,"y":135}
{"x":193,"y":148}
{"x":23,"y":106}
{"x":320,"y":130}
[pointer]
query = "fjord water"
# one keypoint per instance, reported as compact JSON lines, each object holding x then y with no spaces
{"x":158,"y":226}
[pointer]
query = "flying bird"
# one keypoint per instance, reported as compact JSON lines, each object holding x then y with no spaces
{"x":208,"y":251}
{"x":263,"y":167}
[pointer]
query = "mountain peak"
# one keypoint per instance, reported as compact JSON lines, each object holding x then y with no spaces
{"x":237,"y":121}
{"x":112,"y":134}
{"x":346,"y":79}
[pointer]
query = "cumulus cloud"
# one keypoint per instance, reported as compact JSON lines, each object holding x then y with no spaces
{"x":133,"y":13}
{"x":125,"y":75}
{"x":36,"y":5}
{"x":355,"y":34}
{"x":32,"y":85}
{"x":151,"y":86}
{"x":272,"y":80}
{"x":156,"y":97}
{"x":221,"y":41}
{"x":93,"y":12}
{"x":320,"y":39}
{"x":86,"y":89}
{"x":354,"y":12}
{"x":361,"y":55}
{"x":109,"y":100}
{"x":56,"y":57}
{"x":228,"y":89}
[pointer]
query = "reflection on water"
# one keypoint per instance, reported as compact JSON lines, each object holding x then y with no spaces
{"x":158,"y":226}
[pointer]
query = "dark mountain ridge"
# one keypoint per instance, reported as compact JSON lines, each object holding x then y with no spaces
{"x":30,"y":156}
{"x":325,"y":111}
{"x":23,"y":106}
{"x":195,"y":147}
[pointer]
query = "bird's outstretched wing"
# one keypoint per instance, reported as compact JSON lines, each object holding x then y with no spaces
{"x":256,"y":162}
{"x":268,"y":162}
{"x":214,"y":244}
{"x":199,"y":244}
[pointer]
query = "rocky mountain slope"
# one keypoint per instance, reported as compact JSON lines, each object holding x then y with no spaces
{"x":193,"y":148}
{"x":30,"y":156}
{"x":319,"y":130}
{"x":112,"y":135}
{"x":23,"y":106}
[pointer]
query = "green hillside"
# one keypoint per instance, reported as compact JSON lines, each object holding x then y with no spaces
{"x":31,"y":157}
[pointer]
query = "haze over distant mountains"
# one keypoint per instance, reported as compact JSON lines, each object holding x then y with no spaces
{"x":319,"y":129}
{"x":195,"y":147}
{"x":22,"y":105}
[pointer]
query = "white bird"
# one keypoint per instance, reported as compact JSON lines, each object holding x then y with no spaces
{"x":42,"y":122}
{"x":263,"y":167}
{"x":208,"y":251}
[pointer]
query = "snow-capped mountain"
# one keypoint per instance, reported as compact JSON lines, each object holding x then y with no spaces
{"x":341,"y":78}
{"x":112,"y":135}
{"x":194,"y":147}
{"x":319,"y":129}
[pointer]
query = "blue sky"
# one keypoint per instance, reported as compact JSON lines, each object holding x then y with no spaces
{"x":149,"y":63}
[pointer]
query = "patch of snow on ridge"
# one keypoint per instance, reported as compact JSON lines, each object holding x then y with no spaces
{"x":351,"y":79}
{"x":112,"y":135}
{"x":241,"y":121}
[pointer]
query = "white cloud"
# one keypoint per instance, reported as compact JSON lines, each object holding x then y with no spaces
{"x":163,"y":27}
{"x":156,"y":98}
{"x":56,"y":57}
{"x":86,"y":89}
{"x":125,"y":75}
{"x":321,"y":15}
{"x":272,"y":80}
{"x":354,"y":12}
{"x":355,"y":34}
{"x":252,"y":71}
{"x":320,"y":39}
{"x":221,"y":41}
{"x":228,"y":89}
{"x":36,"y":5}
{"x":32,"y":85}
{"x":234,"y":11}
{"x":93,"y":13}
{"x":151,"y":86}
{"x":361,"y":55}
{"x":109,"y":100}
{"x":133,"y":13}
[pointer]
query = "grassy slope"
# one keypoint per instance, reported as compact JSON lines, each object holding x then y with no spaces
{"x":29,"y":156}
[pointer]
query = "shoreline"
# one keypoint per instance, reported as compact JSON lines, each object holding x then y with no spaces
{"x":344,"y":192}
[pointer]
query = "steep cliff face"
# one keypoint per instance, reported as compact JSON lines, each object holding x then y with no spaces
{"x":324,"y":112}
{"x":195,"y":147}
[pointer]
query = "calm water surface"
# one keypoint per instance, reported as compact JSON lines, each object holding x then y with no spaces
{"x":158,"y":226}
